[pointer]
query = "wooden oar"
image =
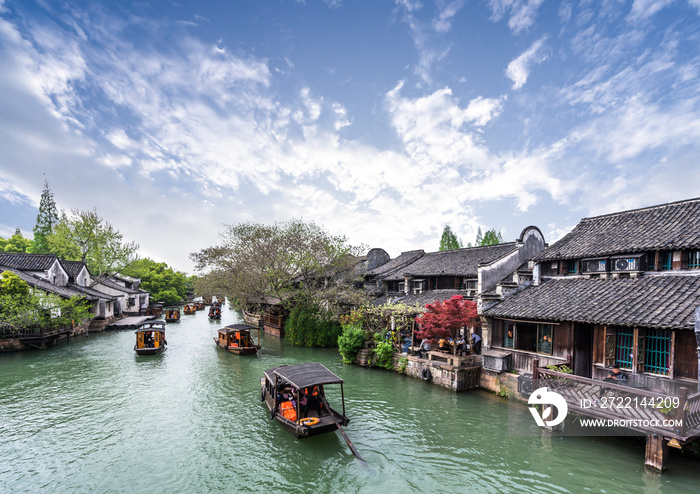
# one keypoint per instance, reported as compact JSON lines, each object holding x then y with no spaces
{"x":345,"y":436}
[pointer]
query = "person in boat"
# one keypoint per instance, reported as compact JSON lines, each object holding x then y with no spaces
{"x":310,"y":400}
{"x":148,"y":341}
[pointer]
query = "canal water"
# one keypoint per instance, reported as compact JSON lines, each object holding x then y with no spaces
{"x":91,"y":416}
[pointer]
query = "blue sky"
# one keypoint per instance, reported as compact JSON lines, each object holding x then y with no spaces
{"x":382,"y":121}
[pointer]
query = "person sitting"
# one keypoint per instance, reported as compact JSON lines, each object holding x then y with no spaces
{"x":615,"y":376}
{"x":444,"y":345}
{"x":476,"y":343}
{"x":461,"y":345}
{"x":425,"y":347}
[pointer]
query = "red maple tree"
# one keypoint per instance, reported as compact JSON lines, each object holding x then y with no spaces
{"x":444,"y":319}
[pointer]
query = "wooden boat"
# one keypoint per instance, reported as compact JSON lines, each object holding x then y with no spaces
{"x":172,"y":314}
{"x":190,"y":309}
{"x":199,"y":305}
{"x":150,"y":338}
{"x":214,"y":312}
{"x":236,"y":339}
{"x":295,"y":396}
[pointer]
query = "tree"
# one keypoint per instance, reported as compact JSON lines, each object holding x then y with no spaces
{"x":294,"y":261}
{"x":22,"y":308}
{"x":17,"y":243}
{"x":449,"y":240}
{"x":86,"y":236}
{"x":444,"y":319}
{"x":492,"y":238}
{"x":46,"y":220}
{"x":11,"y":284}
{"x":163,"y":283}
{"x":479,"y":238}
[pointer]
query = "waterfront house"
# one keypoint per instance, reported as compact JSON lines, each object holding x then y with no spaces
{"x":476,"y":273}
{"x":620,"y":289}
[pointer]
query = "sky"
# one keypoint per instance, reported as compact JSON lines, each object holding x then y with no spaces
{"x":382,"y":121}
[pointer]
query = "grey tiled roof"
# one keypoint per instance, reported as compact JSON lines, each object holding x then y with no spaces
{"x":652,"y":301}
{"x":42,"y":284}
{"x":116,"y":286}
{"x":674,"y":225}
{"x":420,"y":300}
{"x":396,"y":263}
{"x":28,"y":262}
{"x":72,"y":267}
{"x":458,"y":262}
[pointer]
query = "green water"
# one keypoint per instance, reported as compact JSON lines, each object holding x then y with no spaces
{"x":91,"y":416}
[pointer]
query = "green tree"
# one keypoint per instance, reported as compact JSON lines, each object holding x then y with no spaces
{"x":86,"y":236}
{"x":11,"y":284}
{"x":293,"y":261}
{"x":492,"y":238}
{"x":17,"y":243}
{"x":479,"y":238}
{"x":449,"y":240}
{"x":164,"y":284}
{"x":22,"y":308}
{"x":46,"y":220}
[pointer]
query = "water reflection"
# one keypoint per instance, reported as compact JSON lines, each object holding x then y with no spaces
{"x":90,"y":416}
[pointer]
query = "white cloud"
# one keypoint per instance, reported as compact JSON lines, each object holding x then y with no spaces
{"x":643,"y":9}
{"x":519,"y":69}
{"x":522,"y":12}
{"x":443,"y":23}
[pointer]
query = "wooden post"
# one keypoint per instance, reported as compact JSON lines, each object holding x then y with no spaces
{"x":656,"y":453}
{"x":535,"y":365}
{"x":680,"y":412}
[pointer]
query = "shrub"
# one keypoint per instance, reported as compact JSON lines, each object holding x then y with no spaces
{"x":383,"y":353}
{"x":312,"y":327}
{"x":350,"y":342}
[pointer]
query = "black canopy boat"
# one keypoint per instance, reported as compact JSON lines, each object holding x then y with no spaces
{"x":236,"y":339}
{"x":150,"y":338}
{"x":295,"y":396}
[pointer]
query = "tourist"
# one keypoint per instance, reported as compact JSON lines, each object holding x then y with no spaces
{"x":476,"y":343}
{"x":461,"y":345}
{"x":615,"y":375}
{"x":425,"y":347}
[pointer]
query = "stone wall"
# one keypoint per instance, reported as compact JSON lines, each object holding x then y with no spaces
{"x":442,"y":374}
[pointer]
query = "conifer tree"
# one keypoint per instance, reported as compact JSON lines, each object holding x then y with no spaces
{"x":449,"y":240}
{"x":46,"y":220}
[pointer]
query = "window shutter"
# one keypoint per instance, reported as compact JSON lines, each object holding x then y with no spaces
{"x":684,"y":259}
{"x":610,"y":340}
{"x":639,"y":353}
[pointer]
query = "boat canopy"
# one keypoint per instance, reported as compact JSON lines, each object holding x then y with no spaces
{"x":148,"y":326}
{"x":304,"y":375}
{"x":236,"y":327}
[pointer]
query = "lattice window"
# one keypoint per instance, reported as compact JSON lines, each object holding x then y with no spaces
{"x":666,"y":261}
{"x":544,"y":338}
{"x":657,"y":354}
{"x":508,"y":334}
{"x":694,"y":259}
{"x":651,"y":261}
{"x":571,"y":266}
{"x":624,"y":348}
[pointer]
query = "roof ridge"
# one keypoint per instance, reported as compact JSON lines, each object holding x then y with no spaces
{"x":646,"y":208}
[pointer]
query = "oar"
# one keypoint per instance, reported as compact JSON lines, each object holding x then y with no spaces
{"x":345,"y":436}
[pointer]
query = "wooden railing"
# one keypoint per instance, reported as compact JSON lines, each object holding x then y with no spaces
{"x":604,"y":399}
{"x":274,"y":321}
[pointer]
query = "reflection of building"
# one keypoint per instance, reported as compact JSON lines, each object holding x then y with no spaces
{"x":620,"y":289}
